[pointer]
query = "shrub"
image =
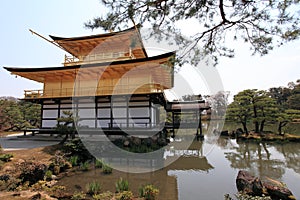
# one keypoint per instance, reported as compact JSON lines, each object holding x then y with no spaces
{"x":48,"y":175}
{"x":103,"y":196}
{"x":93,"y":188}
{"x":67,"y":165}
{"x":59,"y":159}
{"x":10,"y":184}
{"x":122,"y":185}
{"x":59,"y":163}
{"x":6,"y":157}
{"x":56,"y":170}
{"x":76,"y":148}
{"x":149,"y":192}
{"x":85,"y":166}
{"x":106,"y":169}
{"x":74,"y":160}
{"x":31,"y":171}
{"x":98,"y":163}
{"x":78,"y":196}
{"x":125,"y":195}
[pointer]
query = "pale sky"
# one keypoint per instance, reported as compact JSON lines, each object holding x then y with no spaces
{"x":19,"y":48}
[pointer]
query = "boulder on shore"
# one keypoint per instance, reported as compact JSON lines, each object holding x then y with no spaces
{"x":250,"y":185}
{"x":278,"y":190}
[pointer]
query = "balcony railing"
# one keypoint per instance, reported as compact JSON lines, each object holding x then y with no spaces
{"x":33,"y":94}
{"x":92,"y":58}
{"x":104,"y":90}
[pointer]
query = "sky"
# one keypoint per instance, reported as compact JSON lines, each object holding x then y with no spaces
{"x":66,"y":18}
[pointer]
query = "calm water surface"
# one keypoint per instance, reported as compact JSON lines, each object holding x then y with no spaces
{"x":207,"y":170}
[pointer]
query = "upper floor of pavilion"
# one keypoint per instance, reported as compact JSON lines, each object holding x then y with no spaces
{"x":122,"y":45}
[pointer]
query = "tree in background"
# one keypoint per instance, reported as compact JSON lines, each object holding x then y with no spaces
{"x":31,"y":113}
{"x":240,"y":111}
{"x":261,"y":24}
{"x":293,"y":100}
{"x":16,"y":115}
{"x":218,"y":103}
{"x":284,"y":117}
{"x":280,"y":95}
{"x":252,"y":106}
{"x":288,"y":103}
{"x":10,"y":115}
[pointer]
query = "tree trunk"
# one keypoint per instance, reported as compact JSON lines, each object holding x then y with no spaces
{"x":262,"y":126}
{"x":64,"y":139}
{"x":255,"y":118}
{"x":256,"y":127}
{"x":245,"y":128}
{"x":280,"y":126}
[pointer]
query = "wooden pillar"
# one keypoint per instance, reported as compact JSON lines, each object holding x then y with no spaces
{"x":76,"y":111}
{"x":173,"y":124}
{"x":197,"y":120}
{"x":200,"y":124}
{"x":96,"y":112}
{"x":127,"y":98}
{"x":111,"y":113}
{"x":59,"y":109}
{"x":200,"y":136}
{"x":42,"y":111}
{"x":150,"y":113}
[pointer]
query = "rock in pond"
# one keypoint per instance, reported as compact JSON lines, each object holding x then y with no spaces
{"x":250,"y":185}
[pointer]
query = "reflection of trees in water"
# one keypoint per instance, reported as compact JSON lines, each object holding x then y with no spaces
{"x":291,"y":153}
{"x":255,"y":158}
{"x":225,"y":143}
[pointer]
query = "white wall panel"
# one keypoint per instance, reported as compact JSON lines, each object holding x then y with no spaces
{"x":50,"y":113}
{"x":49,"y":123}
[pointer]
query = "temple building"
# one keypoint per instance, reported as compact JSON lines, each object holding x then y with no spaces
{"x":109,"y":82}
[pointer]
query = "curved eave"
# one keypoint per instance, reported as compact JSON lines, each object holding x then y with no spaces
{"x":148,"y":59}
{"x":56,"y":38}
{"x":108,"y":70}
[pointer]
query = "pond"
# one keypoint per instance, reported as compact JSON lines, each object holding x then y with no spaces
{"x":207,"y":170}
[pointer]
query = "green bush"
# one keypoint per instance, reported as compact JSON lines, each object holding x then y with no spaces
{"x":122,"y":185}
{"x":125,"y":195}
{"x":98,"y":163}
{"x":106,"y":169}
{"x":6,"y":157}
{"x":149,"y":192}
{"x":76,"y":148}
{"x":85,"y":166}
{"x":74,"y":160}
{"x":93,"y":188}
{"x":48,"y":175}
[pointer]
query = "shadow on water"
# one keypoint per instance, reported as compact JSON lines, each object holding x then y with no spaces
{"x":196,"y":174}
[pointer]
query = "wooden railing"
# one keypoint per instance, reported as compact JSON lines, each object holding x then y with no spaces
{"x":33,"y":94}
{"x":92,"y":58}
{"x":104,"y":90}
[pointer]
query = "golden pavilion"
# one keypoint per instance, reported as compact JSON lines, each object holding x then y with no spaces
{"x":110,"y":82}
